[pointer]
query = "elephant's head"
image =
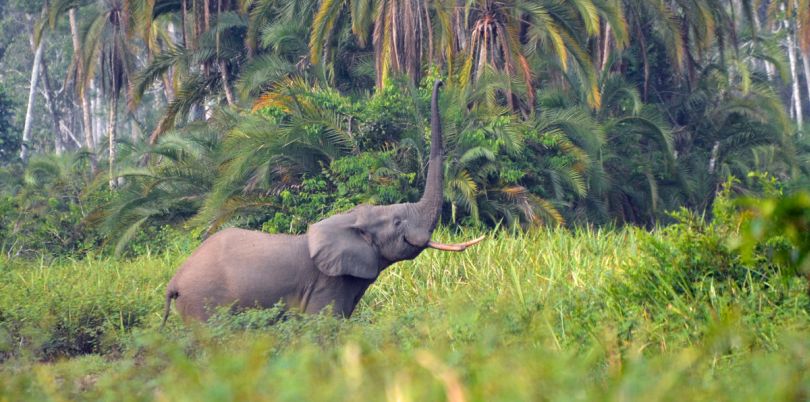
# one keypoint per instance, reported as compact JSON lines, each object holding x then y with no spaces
{"x":367,"y":239}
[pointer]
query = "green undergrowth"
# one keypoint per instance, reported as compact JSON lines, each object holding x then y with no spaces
{"x":554,"y":314}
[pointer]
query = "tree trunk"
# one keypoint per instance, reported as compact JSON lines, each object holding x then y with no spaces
{"x":806,"y":63}
{"x":87,"y":124}
{"x":135,"y":131}
{"x":168,"y":88}
{"x":183,"y":18}
{"x":206,"y":15}
{"x":32,"y":91}
{"x":205,"y":66}
{"x":223,"y":67}
{"x":50,"y":101}
{"x":96,"y":112}
{"x":645,"y":63}
{"x":794,"y":74}
{"x":223,"y":70}
{"x":113,"y":116}
{"x":430,"y":34}
{"x":713,"y":159}
{"x":113,"y":119}
{"x":769,"y":68}
{"x":605,"y":47}
{"x":67,"y":130}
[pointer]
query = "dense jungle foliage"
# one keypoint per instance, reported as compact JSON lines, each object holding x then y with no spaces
{"x":271,"y":114}
{"x":640,"y":167}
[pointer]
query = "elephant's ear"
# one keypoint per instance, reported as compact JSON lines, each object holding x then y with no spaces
{"x":339,"y":247}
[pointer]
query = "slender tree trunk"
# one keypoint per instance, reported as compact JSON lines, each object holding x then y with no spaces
{"x":806,"y":63}
{"x":113,"y":119}
{"x":206,"y":15}
{"x":223,"y":70}
{"x":135,"y":131}
{"x":605,"y":47}
{"x":50,"y":101}
{"x":87,"y":124}
{"x":794,"y":74}
{"x":429,"y":32}
{"x":111,"y":133}
{"x":223,"y":67}
{"x":69,"y":133}
{"x":168,"y":87}
{"x":205,"y":66}
{"x":713,"y":159}
{"x":32,"y":91}
{"x":97,"y":110}
{"x":769,"y":68}
{"x":184,"y":16}
{"x":460,"y":24}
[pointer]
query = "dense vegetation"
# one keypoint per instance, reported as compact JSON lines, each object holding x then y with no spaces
{"x":553,"y":314}
{"x":640,"y":167}
{"x":270,"y":114}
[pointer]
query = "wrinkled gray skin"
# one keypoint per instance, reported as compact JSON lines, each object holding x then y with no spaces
{"x":332,"y":264}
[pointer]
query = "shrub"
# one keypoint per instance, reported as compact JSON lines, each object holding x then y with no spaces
{"x":69,"y":307}
{"x":45,"y":209}
{"x":779,"y":227}
{"x":694,"y":271}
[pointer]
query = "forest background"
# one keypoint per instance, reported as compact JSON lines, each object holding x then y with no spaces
{"x":122,"y":119}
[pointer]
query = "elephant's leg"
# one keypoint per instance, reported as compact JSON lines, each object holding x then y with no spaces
{"x":342,"y":293}
{"x":340,"y":308}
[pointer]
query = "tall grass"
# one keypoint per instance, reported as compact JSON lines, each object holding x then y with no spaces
{"x":549,"y":315}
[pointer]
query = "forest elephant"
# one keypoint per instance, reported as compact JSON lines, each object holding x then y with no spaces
{"x":331,"y":265}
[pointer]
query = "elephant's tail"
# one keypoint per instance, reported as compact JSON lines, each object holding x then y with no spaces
{"x":171,"y":294}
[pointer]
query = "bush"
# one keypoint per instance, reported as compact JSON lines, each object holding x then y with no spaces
{"x":69,"y":307}
{"x":45,"y":209}
{"x":694,"y":271}
{"x":386,"y":118}
{"x":780,"y":227}
{"x":10,"y":136}
{"x":367,"y":178}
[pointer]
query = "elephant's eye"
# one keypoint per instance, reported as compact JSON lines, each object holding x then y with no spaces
{"x":363,"y":234}
{"x":397,"y":222}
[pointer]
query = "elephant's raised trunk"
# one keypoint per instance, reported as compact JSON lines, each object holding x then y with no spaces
{"x":431,"y":202}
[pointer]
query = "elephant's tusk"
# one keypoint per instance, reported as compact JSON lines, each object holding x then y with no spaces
{"x":454,"y":247}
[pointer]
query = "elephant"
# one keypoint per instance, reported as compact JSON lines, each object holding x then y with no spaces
{"x":332,"y":264}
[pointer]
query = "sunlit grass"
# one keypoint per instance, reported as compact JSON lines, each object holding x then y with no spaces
{"x":545,"y":315}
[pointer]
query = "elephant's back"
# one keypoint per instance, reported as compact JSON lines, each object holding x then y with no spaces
{"x":233,"y":244}
{"x":243,"y":266}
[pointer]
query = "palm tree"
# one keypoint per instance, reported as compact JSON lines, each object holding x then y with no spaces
{"x":108,"y":57}
{"x":501,"y":169}
{"x":277,"y":45}
{"x":796,"y":20}
{"x":57,"y":9}
{"x":655,"y":18}
{"x":38,"y":46}
{"x":399,"y":30}
{"x":502,"y":35}
{"x":166,"y":192}
{"x":210,"y":46}
{"x":51,"y":201}
{"x":729,"y":127}
{"x":263,"y":154}
{"x":621,"y":165}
